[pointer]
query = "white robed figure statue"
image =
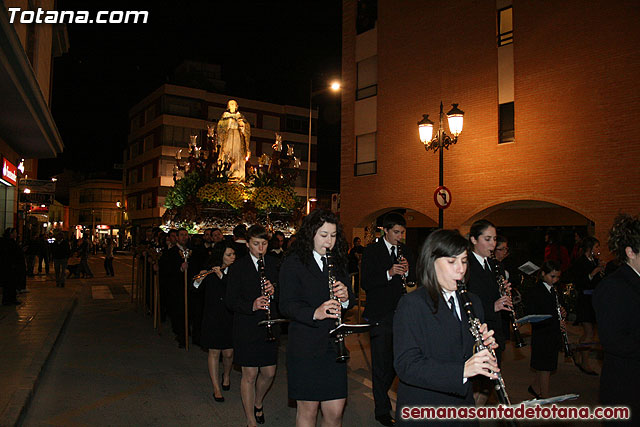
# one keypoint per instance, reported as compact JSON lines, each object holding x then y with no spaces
{"x":234,"y":133}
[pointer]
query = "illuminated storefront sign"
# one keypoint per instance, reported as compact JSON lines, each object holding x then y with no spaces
{"x":9,"y":173}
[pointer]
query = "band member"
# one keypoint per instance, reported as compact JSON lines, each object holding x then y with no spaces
{"x":382,"y":273}
{"x":482,"y":282}
{"x":245,"y":298}
{"x":314,"y":376}
{"x":545,"y":335}
{"x":172,"y":268}
{"x":217,"y":319}
{"x":432,"y":343}
{"x":586,"y":271}
{"x":617,"y":303}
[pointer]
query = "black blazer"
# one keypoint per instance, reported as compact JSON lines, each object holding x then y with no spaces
{"x":243,"y":287}
{"x":546,"y":332}
{"x":171,"y":278}
{"x":616,"y":301}
{"x":302,"y":289}
{"x":382,"y":294}
{"x":430,"y":350}
{"x":485,"y":286}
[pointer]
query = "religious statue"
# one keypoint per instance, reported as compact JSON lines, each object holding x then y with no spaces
{"x":234,"y":133}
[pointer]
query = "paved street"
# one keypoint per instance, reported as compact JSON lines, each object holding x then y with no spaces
{"x":109,"y":366}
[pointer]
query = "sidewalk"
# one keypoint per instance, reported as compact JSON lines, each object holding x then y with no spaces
{"x":28,"y":333}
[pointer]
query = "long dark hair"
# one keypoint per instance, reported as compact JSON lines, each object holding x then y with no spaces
{"x":439,"y":244}
{"x":303,"y":244}
{"x":217,"y":254}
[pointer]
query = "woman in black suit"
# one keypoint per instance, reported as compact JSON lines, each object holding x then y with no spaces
{"x":217,"y":319}
{"x":616,"y":301}
{"x":482,"y":282}
{"x":587,"y":272}
{"x":545,"y":335}
{"x":252,"y":352}
{"x":315,"y":378}
{"x":432,"y":344}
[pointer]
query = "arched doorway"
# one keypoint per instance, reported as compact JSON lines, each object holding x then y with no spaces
{"x":525,"y":223}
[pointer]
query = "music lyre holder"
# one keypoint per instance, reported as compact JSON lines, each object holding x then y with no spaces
{"x":345,"y":329}
{"x":272,"y":322}
{"x":548,"y":400}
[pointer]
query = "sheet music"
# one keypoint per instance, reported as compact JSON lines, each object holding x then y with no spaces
{"x":528,"y":268}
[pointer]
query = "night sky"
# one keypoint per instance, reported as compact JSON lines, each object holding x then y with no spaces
{"x":268,"y":50}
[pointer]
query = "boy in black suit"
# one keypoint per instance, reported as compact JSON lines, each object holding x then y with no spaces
{"x":382,"y":279}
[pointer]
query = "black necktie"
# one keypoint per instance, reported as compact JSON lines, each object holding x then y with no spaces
{"x":394,"y":258}
{"x":324,"y":265}
{"x":452,"y":307}
{"x":486,"y":266}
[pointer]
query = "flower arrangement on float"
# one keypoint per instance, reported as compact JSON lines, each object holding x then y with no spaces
{"x":205,"y":196}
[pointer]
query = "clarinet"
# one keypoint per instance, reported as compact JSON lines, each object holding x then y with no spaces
{"x":403,"y":277}
{"x":519,"y":342}
{"x":474,"y":327}
{"x":563,"y":327}
{"x":341,"y":348}
{"x":263,"y":288}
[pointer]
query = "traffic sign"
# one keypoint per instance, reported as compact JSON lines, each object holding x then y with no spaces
{"x":442,"y":197}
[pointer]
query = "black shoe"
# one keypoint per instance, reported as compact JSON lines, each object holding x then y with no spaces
{"x":259,"y":418}
{"x":218,"y":399}
{"x":533,"y":393}
{"x":227,"y":387}
{"x":385,"y":420}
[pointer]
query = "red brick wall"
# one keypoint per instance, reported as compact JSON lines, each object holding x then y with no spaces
{"x":577,"y":103}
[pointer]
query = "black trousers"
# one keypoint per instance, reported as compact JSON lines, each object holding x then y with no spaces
{"x":382,"y":371}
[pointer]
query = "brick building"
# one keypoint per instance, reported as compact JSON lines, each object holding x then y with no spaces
{"x":551,"y":99}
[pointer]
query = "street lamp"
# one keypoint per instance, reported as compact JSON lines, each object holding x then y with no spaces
{"x":441,"y":140}
{"x":335,"y":87}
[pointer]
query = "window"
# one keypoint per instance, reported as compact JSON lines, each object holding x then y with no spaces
{"x":367,"y":15}
{"x":505,"y":26}
{"x":367,"y":78}
{"x":132,"y":203}
{"x":215,"y":113}
{"x":271,"y":122}
{"x":252,"y":118}
{"x":150,"y":113}
{"x":147,"y":172}
{"x":299,"y":124}
{"x":365,"y":155}
{"x":185,"y":107}
{"x":147,"y":200}
{"x":506,"y":131}
{"x":148,"y":142}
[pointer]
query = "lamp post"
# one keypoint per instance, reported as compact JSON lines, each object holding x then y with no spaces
{"x":441,"y":140}
{"x":335,"y":87}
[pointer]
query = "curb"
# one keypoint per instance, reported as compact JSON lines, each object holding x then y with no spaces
{"x":16,"y":409}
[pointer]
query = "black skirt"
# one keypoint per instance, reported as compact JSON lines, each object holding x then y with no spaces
{"x":255,"y":353}
{"x":545,"y":345}
{"x":217,"y":319}
{"x":317,"y":378}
